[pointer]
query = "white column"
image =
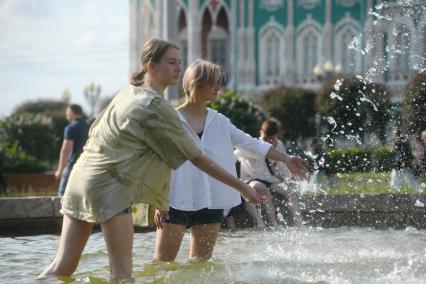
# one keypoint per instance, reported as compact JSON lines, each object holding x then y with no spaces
{"x":233,"y":82}
{"x":170,"y":33}
{"x":159,"y":18}
{"x":328,"y":31}
{"x":134,"y":36}
{"x":250,"y":37}
{"x":241,"y":47}
{"x":289,"y":77}
{"x":369,"y":38}
{"x":194,"y":31}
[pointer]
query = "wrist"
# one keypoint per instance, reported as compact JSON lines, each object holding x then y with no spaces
{"x":286,"y":157}
{"x":241,"y":186}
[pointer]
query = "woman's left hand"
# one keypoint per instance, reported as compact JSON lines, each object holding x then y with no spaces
{"x":159,"y":218}
{"x":298,"y":167}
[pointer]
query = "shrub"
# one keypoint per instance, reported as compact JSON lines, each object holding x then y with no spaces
{"x":356,"y":159}
{"x":294,"y":107}
{"x":356,"y":106}
{"x":26,"y":141}
{"x":243,"y":113}
{"x":52,"y":109}
{"x":17,"y":161}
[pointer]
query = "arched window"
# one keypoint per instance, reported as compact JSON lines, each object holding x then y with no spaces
{"x":218,"y":38}
{"x":348,"y":54}
{"x":218,"y":42}
{"x":206,"y":26}
{"x":310,"y":47}
{"x":347,"y":44}
{"x":271,"y":53}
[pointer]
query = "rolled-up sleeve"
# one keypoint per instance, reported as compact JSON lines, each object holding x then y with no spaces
{"x":248,"y":145}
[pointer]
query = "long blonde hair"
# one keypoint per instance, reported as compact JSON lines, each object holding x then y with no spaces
{"x":201,"y":73}
{"x":152,"y":51}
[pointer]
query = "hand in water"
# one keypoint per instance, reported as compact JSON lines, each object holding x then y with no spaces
{"x":251,"y":195}
{"x":159,"y":218}
{"x":298,"y":167}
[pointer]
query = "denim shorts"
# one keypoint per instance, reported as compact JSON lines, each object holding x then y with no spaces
{"x":192,"y":218}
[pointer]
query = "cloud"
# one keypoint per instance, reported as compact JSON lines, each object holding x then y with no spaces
{"x":53,"y":45}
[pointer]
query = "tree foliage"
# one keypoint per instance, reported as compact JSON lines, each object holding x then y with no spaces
{"x":355,"y":105}
{"x":54,"y":110}
{"x":243,"y":113}
{"x":294,"y":107}
{"x":26,"y":141}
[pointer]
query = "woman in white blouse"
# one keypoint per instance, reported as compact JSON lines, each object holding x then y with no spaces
{"x":196,"y":200}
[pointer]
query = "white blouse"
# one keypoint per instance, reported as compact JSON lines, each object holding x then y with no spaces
{"x":254,"y":168}
{"x":191,"y":189}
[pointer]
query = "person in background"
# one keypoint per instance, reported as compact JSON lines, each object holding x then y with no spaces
{"x":320,"y":164}
{"x":75,"y":136}
{"x":403,"y":163}
{"x":268,"y":176}
{"x":421,"y":155}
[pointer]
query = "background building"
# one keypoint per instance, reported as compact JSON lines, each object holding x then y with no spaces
{"x":264,"y":43}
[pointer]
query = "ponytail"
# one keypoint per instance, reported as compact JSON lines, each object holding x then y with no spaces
{"x":137,"y":78}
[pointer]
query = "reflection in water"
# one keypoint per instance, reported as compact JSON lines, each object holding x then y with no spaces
{"x":305,"y":255}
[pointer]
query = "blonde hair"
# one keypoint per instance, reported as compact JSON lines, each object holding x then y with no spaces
{"x":152,"y":51}
{"x":199,"y":74}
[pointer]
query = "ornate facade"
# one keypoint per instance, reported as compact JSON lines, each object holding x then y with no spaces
{"x":264,"y":43}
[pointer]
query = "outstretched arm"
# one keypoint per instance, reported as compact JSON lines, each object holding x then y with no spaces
{"x":211,"y":168}
{"x":296,"y":165}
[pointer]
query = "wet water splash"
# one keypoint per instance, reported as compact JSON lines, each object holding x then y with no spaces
{"x":303,"y":255}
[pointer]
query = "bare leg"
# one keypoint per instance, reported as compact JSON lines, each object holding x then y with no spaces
{"x":118,"y":234}
{"x":74,"y":236}
{"x":269,"y":204}
{"x":293,"y":202}
{"x":203,"y":240}
{"x":254,"y":213}
{"x":230,"y":223}
{"x":168,"y":241}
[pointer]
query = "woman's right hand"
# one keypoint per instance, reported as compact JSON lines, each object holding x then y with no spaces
{"x":159,"y":218}
{"x":251,"y":195}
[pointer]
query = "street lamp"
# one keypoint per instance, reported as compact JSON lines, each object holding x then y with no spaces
{"x":318,"y":71}
{"x":328,"y":67}
{"x":327,"y":71}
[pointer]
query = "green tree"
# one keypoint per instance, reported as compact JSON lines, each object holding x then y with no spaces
{"x":294,"y":107}
{"x":53,"y":109}
{"x":414,"y":106}
{"x":355,"y":105}
{"x":243,"y":113}
{"x":27,"y":138}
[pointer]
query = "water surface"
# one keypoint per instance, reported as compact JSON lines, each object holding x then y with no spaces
{"x":304,"y":255}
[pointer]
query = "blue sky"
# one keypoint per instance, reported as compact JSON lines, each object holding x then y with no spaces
{"x":47,"y":46}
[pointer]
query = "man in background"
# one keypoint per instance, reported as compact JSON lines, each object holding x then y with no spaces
{"x":75,"y":136}
{"x":403,"y":163}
